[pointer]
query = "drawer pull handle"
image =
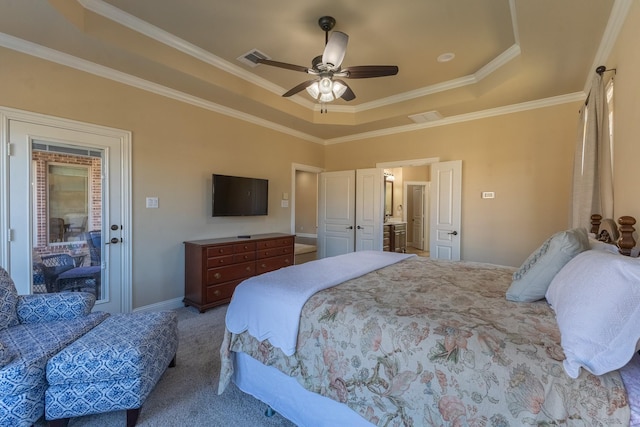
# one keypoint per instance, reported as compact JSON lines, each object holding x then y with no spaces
{"x":216,"y":292}
{"x":264,"y":266}
{"x":248,"y":268}
{"x":287,"y":261}
{"x":217,"y":275}
{"x":221,"y":261}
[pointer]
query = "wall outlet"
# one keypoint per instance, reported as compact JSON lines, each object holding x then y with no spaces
{"x":488,"y":195}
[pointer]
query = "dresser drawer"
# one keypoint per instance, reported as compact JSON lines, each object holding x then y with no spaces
{"x":244,"y":247}
{"x":270,"y":264}
{"x":275,"y":243}
{"x":244,"y":257}
{"x":221,"y":292}
{"x":268,"y":253}
{"x":220,"y":261}
{"x":231,"y":272}
{"x":217,"y":251}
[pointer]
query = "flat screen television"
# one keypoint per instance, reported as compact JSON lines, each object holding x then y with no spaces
{"x":239,"y":196}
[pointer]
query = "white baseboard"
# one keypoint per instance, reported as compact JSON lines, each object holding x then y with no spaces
{"x":171,"y":304}
{"x":313,"y":236}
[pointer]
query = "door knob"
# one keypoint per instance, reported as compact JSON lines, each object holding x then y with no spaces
{"x":350,"y":227}
{"x":360,"y":228}
{"x":113,"y":241}
{"x":454,"y":232}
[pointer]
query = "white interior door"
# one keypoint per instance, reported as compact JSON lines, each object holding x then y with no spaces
{"x":336,"y":213}
{"x":30,"y":237}
{"x":446,"y":202}
{"x":417,"y":216}
{"x":369,"y":209}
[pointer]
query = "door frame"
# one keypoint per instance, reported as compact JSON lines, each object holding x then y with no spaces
{"x":6,"y":115}
{"x":413,"y":162}
{"x":304,"y":168}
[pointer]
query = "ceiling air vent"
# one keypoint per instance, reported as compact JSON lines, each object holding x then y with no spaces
{"x":429,"y":116}
{"x":251,"y":58}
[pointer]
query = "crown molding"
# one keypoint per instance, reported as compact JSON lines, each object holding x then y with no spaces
{"x":119,"y":16}
{"x":62,"y":58}
{"x":138,"y":25}
{"x":477,"y":115}
{"x":67,"y":60}
{"x":618,"y":15}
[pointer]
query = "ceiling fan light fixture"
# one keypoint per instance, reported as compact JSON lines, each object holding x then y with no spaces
{"x":335,"y":50}
{"x":326,"y":97}
{"x":314,"y":90}
{"x":325,"y":86}
{"x":339,"y":89}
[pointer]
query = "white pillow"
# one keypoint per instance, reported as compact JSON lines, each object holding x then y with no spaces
{"x":602,"y":246}
{"x":532,"y":279}
{"x":596,"y":297}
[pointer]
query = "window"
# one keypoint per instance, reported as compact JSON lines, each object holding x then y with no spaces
{"x":68,"y":201}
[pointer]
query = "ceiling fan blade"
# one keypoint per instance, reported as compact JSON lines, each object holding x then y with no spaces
{"x":299,"y":88}
{"x":335,"y":50}
{"x":369,"y":71}
{"x":348,"y":94}
{"x":283,"y":65}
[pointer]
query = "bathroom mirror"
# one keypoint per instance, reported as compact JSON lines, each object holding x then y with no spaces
{"x":388,"y":198}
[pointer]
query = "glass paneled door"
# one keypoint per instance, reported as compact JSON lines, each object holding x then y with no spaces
{"x":69,"y":182}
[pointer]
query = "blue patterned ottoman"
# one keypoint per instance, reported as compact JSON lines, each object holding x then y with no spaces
{"x":112,"y":367}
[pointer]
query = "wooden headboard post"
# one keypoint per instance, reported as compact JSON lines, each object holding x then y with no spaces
{"x":626,"y":242}
{"x":595,"y":223}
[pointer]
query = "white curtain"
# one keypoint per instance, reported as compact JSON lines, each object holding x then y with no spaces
{"x":592,"y":168}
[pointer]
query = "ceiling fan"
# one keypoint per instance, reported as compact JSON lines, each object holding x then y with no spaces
{"x":327,"y":85}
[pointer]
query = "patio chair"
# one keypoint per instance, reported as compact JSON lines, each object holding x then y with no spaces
{"x":53,"y":265}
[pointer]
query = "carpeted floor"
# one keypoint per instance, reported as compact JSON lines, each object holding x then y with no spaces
{"x":187,"y":394}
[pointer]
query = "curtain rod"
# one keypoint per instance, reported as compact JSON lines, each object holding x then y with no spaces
{"x":602,"y":69}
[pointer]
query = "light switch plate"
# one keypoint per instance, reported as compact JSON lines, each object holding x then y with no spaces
{"x":488,"y":195}
{"x":152,"y":202}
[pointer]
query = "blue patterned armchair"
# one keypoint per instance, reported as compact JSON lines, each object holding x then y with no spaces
{"x":33,"y":328}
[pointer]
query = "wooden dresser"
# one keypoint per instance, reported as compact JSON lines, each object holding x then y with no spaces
{"x":214,"y":267}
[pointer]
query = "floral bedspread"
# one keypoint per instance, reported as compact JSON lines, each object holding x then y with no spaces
{"x":426,"y":342}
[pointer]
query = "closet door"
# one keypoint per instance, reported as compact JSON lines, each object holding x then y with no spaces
{"x":336,"y":213}
{"x":446,"y":203}
{"x":350,"y":210}
{"x":369,"y":209}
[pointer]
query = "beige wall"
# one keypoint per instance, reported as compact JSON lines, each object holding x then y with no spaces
{"x":525,"y":158}
{"x":626,"y":59}
{"x":175,"y":149}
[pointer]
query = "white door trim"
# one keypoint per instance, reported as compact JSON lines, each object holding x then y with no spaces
{"x":8,"y":114}
{"x":415,"y":162}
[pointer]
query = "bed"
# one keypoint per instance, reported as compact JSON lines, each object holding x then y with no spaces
{"x":425,"y":342}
